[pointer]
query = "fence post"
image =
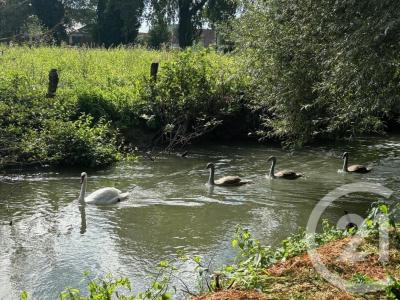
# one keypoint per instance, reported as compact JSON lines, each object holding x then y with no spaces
{"x":154,"y":70}
{"x":53,"y":83}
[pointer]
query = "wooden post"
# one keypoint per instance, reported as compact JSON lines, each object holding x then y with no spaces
{"x":53,"y":83}
{"x":154,"y":70}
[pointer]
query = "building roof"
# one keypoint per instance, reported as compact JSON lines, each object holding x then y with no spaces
{"x":86,"y":29}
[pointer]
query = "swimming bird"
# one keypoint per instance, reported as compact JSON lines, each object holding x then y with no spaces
{"x":353,"y":168}
{"x":224,"y":181}
{"x":107,"y":195}
{"x":284,"y":174}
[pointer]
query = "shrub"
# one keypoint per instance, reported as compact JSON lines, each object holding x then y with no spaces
{"x":34,"y":129}
{"x":322,"y":70}
{"x":192,"y":94}
{"x":80,"y":142}
{"x":97,"y":106}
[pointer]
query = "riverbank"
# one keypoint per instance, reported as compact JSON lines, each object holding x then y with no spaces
{"x":356,"y":263}
{"x":297,"y":278}
{"x":107,"y":104}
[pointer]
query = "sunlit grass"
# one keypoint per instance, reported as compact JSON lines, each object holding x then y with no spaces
{"x":108,"y":84}
{"x":120,"y":70}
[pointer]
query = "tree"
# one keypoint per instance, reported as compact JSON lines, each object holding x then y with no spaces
{"x":220,"y":11}
{"x":81,"y":11}
{"x":21,"y":17}
{"x":160,"y":30}
{"x":191,"y":14}
{"x":13,"y":17}
{"x":118,"y":21}
{"x":219,"y":14}
{"x":159,"y":34}
{"x":51,"y":13}
{"x":189,"y":21}
{"x":109,"y":24}
{"x":322,"y":69}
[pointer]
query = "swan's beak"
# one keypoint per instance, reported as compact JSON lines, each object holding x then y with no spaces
{"x":82,"y":177}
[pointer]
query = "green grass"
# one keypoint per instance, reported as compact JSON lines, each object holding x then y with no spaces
{"x":110,"y":92}
{"x":117,"y":72}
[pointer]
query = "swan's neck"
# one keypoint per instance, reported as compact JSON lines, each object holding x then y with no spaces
{"x":83,"y":190}
{"x":345,"y":161}
{"x":272,"y":170}
{"x":211,"y":178}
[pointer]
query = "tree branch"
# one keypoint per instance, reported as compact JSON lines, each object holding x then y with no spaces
{"x":197,"y":6}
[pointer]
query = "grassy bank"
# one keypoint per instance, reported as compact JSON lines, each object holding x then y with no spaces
{"x":106,"y":102}
{"x":296,"y":278}
{"x":107,"y":105}
{"x":353,"y":255}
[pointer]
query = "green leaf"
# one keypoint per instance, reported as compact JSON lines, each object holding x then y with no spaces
{"x":164,"y":264}
{"x":235,"y":243}
{"x":24,"y":295}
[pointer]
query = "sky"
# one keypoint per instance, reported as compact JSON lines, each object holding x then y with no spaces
{"x":144,"y":27}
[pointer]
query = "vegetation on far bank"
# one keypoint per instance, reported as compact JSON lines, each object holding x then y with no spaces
{"x":107,"y":104}
{"x":286,"y":272}
{"x":322,"y":70}
{"x":301,"y":72}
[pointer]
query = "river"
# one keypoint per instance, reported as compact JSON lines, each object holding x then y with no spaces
{"x":53,"y":239}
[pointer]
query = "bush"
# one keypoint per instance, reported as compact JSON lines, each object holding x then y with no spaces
{"x":196,"y":89}
{"x":80,"y":143}
{"x":322,"y":70}
{"x":34,"y":129}
{"x":192,"y":94}
{"x":97,"y":106}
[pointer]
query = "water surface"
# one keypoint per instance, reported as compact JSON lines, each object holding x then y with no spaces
{"x":53,"y":239}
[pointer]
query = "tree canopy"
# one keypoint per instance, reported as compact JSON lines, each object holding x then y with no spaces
{"x":322,"y":69}
{"x":51,"y":13}
{"x":191,"y":15}
{"x":116,"y":21}
{"x":13,"y":17}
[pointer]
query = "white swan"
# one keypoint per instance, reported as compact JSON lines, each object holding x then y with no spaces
{"x":106,"y":195}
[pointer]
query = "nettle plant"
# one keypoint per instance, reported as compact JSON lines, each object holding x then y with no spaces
{"x":253,"y":258}
{"x":192,"y":94}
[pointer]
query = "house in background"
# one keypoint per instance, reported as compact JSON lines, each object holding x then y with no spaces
{"x":207,"y":38}
{"x":81,"y":36}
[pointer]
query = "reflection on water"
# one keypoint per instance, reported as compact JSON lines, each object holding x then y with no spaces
{"x":82,"y":211}
{"x":55,"y":239}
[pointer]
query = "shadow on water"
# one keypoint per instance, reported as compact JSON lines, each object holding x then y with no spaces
{"x":82,"y":211}
{"x":54,"y":239}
